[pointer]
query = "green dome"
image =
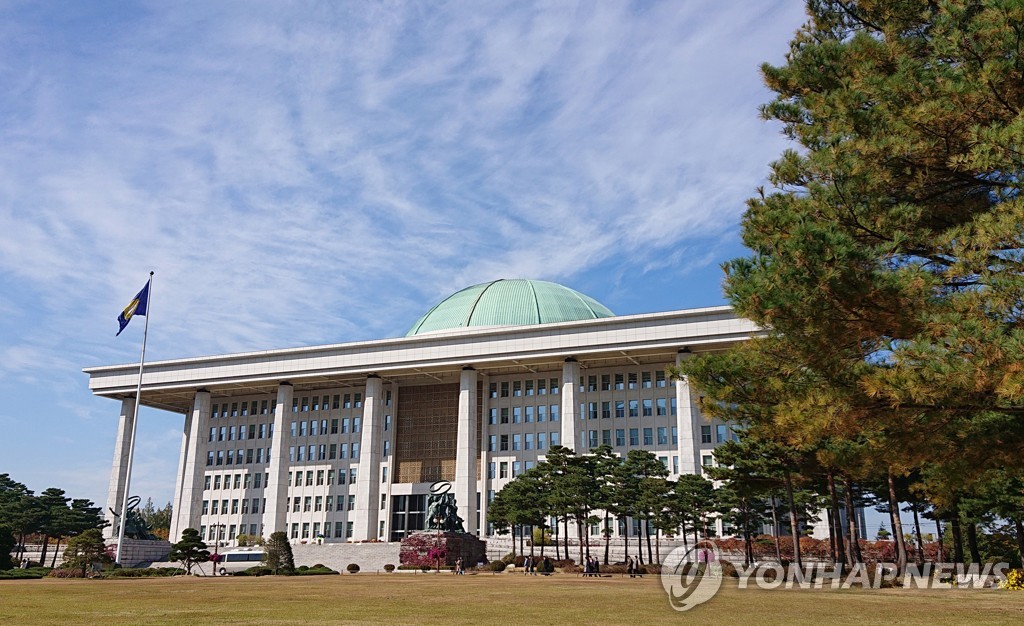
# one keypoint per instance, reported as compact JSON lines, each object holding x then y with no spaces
{"x":514,"y":302}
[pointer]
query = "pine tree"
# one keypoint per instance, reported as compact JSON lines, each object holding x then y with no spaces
{"x":279,"y":555}
{"x":190,"y":551}
{"x":86,"y":549}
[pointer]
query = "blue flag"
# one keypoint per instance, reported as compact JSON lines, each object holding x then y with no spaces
{"x":136,"y":307}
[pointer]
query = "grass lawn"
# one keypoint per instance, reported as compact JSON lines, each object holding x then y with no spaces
{"x":480,"y":599}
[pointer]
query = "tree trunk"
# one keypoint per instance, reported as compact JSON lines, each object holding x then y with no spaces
{"x":640,"y":544}
{"x":565,"y":525}
{"x":793,"y":524}
{"x":851,"y":524}
{"x":837,"y":523}
{"x":42,"y":555}
{"x":579,"y":536}
{"x":532,"y":542}
{"x":1018,"y":525}
{"x":920,"y":540}
{"x":897,"y":526}
{"x":607,"y":536}
{"x":647,"y":531}
{"x":56,"y":551}
{"x":522,"y":539}
{"x":775,"y":530}
{"x":972,"y":542}
{"x":941,"y":550}
{"x":625,"y":537}
{"x":657,"y":544}
{"x":958,"y":538}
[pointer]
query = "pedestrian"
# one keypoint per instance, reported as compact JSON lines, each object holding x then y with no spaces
{"x":629,"y":567}
{"x":547,"y":566}
{"x":458,"y":566}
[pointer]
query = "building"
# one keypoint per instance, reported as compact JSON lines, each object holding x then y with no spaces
{"x":344,"y":440}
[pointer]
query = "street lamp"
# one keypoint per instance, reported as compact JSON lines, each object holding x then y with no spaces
{"x":219,"y":528}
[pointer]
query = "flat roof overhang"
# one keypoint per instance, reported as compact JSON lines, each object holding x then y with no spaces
{"x":636,"y":339}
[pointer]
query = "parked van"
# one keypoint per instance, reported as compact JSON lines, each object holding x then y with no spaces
{"x":240,"y":559}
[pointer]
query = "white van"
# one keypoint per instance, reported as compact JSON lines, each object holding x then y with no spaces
{"x":240,"y":559}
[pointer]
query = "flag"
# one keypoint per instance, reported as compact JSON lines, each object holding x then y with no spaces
{"x":136,"y":307}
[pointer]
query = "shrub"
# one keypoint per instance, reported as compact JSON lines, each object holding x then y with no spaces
{"x":258,"y":570}
{"x":144,"y":572}
{"x":67,"y":572}
{"x":495,"y":566}
{"x":352,"y":568}
{"x":509,"y":558}
{"x":1014,"y":580}
{"x":389,"y":568}
{"x":24,"y":574}
{"x":316,"y":570}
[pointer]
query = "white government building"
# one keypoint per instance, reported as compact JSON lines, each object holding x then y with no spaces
{"x":344,"y":440}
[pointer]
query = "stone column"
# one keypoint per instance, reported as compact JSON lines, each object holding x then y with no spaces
{"x":188,"y":493}
{"x":275,"y":515}
{"x":119,"y":468}
{"x":485,"y":458}
{"x":685,"y":426}
{"x":466,"y":451}
{"x":366,"y":514}
{"x":570,"y":410}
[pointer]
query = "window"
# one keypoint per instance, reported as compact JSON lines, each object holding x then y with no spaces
{"x":517,"y":388}
{"x":542,"y":413}
{"x":648,"y":436}
{"x":206,"y":507}
{"x":634,"y":436}
{"x":675,"y":435}
{"x":591,"y":383}
{"x":606,"y":382}
{"x":215,"y":412}
{"x":309,"y":478}
{"x":504,"y":415}
{"x":606,"y":437}
{"x":332,"y":452}
{"x":334,"y":426}
{"x":662,"y":435}
{"x":301,"y":453}
{"x":206,"y":482}
{"x":529,"y":414}
{"x":383,"y":477}
{"x":318,"y":503}
{"x":238,"y":481}
{"x":659,"y":378}
{"x":619,"y":384}
{"x":620,"y":437}
{"x":492,"y":416}
{"x":675,"y":464}
{"x":661,"y":407}
{"x":592,"y":438}
{"x":491,"y":470}
{"x":541,"y":387}
{"x":298,"y":479}
{"x":705,"y":434}
{"x":592,"y":410}
{"x":213,"y":433}
{"x":632,"y":380}
{"x":336,"y":404}
{"x":234,"y":506}
{"x":256,"y":482}
{"x":645,"y":380}
{"x":344,"y":425}
{"x":553,"y":385}
{"x":248,"y":481}
{"x":221,"y":433}
{"x":209,"y":458}
{"x":387,"y":447}
{"x":634,"y":408}
{"x":553,"y":437}
{"x":356,"y":422}
{"x":220,"y":457}
{"x":647,"y":408}
{"x":542,"y":441}
{"x":305,"y":404}
{"x":553,"y":412}
{"x":504,"y":443}
{"x":504,"y":389}
{"x":529,"y":387}
{"x":322,"y":452}
{"x":503,"y":469}
{"x":517,"y":441}
{"x":672,"y":403}
{"x":707,"y":460}
{"x":344,"y":451}
{"x":347,"y":403}
{"x":295,"y":405}
{"x":216,"y":481}
{"x":529,"y":441}
{"x":620,"y":408}
{"x":516,"y":468}
{"x":319,"y":477}
{"x":721,"y":433}
{"x":492,"y":443}
{"x":359,"y":400}
{"x":493,"y":390}
{"x":606,"y":410}
{"x":355,"y":449}
{"x":352,"y":479}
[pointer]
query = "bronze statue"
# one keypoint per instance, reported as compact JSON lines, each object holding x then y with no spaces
{"x":442,"y":512}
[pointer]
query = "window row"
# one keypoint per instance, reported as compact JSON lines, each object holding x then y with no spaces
{"x":723,"y":433}
{"x":242,"y":481}
{"x":330,"y":452}
{"x":323,"y":477}
{"x":500,"y":469}
{"x":521,"y":414}
{"x":306,"y":504}
{"x":500,"y":443}
{"x":648,"y":407}
{"x":626,"y":380}
{"x":589,"y":439}
{"x":342,"y":530}
{"x":519,"y":388}
{"x":227,"y":532}
{"x":230,"y":457}
{"x":343,"y":425}
{"x":242,"y":409}
{"x":241,"y":433}
{"x":239,"y":506}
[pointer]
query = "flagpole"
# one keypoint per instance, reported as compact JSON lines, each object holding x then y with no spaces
{"x":135,"y":419}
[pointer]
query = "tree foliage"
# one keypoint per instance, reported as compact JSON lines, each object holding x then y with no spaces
{"x":190,"y":551}
{"x":279,"y":555}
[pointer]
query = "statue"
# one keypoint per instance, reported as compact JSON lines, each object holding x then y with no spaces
{"x":135,"y":527}
{"x":442,"y":512}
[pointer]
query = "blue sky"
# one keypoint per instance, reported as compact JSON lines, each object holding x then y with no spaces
{"x":301,"y":173}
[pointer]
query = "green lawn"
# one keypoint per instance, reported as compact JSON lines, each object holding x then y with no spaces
{"x":480,"y":599}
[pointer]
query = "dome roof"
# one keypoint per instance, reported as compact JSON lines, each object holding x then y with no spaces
{"x":509,"y":302}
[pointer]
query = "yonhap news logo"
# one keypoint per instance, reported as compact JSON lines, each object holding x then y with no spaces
{"x":692,"y":576}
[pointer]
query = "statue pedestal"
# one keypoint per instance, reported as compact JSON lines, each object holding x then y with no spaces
{"x":417,"y":546}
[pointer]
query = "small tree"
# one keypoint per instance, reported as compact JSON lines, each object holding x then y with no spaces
{"x":279,"y":553}
{"x":6,"y":545}
{"x":86,"y":549}
{"x":190,"y":550}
